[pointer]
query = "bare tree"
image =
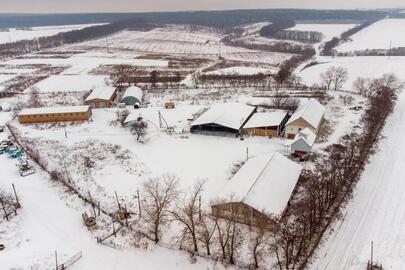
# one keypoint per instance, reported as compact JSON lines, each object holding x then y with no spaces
{"x":121,"y":74}
{"x":122,"y":116}
{"x":159,"y":194}
{"x":206,"y":232}
{"x":340,"y":77}
{"x":188,"y":213}
{"x":327,"y":77}
{"x":34,"y":98}
{"x":259,"y":237}
{"x":139,"y":128}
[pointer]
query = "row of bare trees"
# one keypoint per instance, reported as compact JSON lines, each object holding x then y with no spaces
{"x":322,"y":192}
{"x":334,"y":78}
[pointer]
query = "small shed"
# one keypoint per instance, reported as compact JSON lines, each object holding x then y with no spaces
{"x":308,"y":115}
{"x":302,"y":143}
{"x":263,"y":185}
{"x":268,"y":124}
{"x":133,"y":95}
{"x":101,"y":97}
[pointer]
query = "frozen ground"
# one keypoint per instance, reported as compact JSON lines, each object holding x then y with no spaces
{"x":70,"y":83}
{"x":376,"y":212}
{"x":383,"y":34}
{"x":36,"y":32}
{"x":328,"y":30}
{"x":46,"y":224}
{"x":242,"y":71}
{"x":367,"y":67}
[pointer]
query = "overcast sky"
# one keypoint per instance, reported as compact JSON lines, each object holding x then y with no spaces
{"x":50,"y":6}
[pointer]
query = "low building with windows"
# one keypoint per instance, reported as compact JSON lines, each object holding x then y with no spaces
{"x":267,"y":124}
{"x":308,"y":115}
{"x":55,"y":114}
{"x":101,"y":97}
{"x":259,"y":190}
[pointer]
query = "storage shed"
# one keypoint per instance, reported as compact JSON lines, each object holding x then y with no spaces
{"x":133,"y":95}
{"x":269,"y":124}
{"x":101,"y":97}
{"x":223,"y":119}
{"x":308,"y":115}
{"x":55,"y":114}
{"x":263,"y":185}
{"x":302,"y":143}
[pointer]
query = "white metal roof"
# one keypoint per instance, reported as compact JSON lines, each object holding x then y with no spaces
{"x":266,"y":119}
{"x":264,"y":182}
{"x":306,"y":135}
{"x":231,"y":115}
{"x":311,"y":111}
{"x":51,"y":110}
{"x":103,"y":92}
{"x":133,"y":91}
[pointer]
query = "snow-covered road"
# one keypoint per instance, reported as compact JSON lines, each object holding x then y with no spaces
{"x":376,"y":212}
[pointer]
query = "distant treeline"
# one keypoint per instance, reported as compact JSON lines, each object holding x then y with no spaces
{"x":25,"y":46}
{"x":331,"y":44}
{"x":207,"y":18}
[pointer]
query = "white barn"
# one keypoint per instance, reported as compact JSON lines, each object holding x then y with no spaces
{"x":302,"y":143}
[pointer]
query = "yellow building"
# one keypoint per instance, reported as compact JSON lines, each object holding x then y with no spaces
{"x":267,"y":124}
{"x":308,"y":115}
{"x":55,"y":114}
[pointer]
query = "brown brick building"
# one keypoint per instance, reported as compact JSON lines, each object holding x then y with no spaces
{"x":55,"y":114}
{"x":101,"y":97}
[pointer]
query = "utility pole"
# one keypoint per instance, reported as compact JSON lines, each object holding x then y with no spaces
{"x":16,"y":197}
{"x":139,"y":203}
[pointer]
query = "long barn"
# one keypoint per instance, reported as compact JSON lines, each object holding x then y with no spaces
{"x":55,"y":114}
{"x":223,"y":119}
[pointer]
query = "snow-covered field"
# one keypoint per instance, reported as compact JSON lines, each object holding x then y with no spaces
{"x":328,"y":30}
{"x":70,"y":83}
{"x":366,"y":67}
{"x":383,"y":34}
{"x":242,"y":71}
{"x":36,"y":32}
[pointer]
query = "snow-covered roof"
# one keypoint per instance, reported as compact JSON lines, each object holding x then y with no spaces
{"x":133,"y":91}
{"x":51,"y":110}
{"x":311,"y":111}
{"x":231,"y":115}
{"x":266,"y":119}
{"x":103,"y":92}
{"x":306,"y":135}
{"x":264,"y":182}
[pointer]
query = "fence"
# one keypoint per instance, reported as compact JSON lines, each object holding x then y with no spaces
{"x":70,"y":262}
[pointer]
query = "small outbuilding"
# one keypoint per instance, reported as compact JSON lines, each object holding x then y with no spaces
{"x":55,"y":114}
{"x":101,"y":97}
{"x":262,"y":186}
{"x":308,"y":115}
{"x":223,"y":119}
{"x":302,"y":143}
{"x":267,"y":124}
{"x":132,"y":96}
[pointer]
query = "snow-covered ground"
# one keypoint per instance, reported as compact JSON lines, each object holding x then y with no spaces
{"x":366,"y":67}
{"x":376,"y":212}
{"x":383,"y":34}
{"x":70,"y":83}
{"x":328,"y":30}
{"x":242,"y":71}
{"x":36,"y":32}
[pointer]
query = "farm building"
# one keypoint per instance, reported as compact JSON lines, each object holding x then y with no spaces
{"x":228,"y":118}
{"x":101,"y":97}
{"x":302,"y":143}
{"x":266,"y":123}
{"x":308,"y":115}
{"x":55,"y":114}
{"x":264,"y":184}
{"x":133,"y":95}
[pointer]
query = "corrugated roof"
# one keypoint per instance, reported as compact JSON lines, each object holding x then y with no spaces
{"x":133,"y":91}
{"x":264,"y":182}
{"x":51,"y":110}
{"x":311,"y":111}
{"x":266,"y":119}
{"x":231,"y":115}
{"x":104,"y":93}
